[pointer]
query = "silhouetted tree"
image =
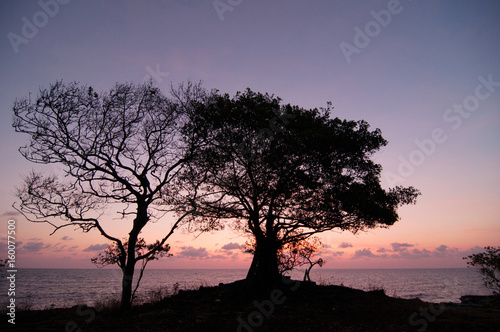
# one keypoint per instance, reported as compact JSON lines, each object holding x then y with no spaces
{"x":300,"y":253}
{"x":120,"y":150}
{"x":489,"y":264}
{"x":284,"y":173}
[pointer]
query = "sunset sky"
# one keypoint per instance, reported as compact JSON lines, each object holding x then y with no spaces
{"x":426,"y":73}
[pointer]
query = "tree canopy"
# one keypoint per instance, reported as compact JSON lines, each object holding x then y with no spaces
{"x":283,"y":173}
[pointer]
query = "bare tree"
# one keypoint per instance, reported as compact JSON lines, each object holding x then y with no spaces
{"x":119,"y":151}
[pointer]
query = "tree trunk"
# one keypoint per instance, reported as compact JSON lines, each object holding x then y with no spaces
{"x":128,"y":276}
{"x":264,"y":271}
{"x":128,"y":271}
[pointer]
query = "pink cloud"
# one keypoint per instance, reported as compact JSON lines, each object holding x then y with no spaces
{"x":96,"y":247}
{"x":192,"y":252}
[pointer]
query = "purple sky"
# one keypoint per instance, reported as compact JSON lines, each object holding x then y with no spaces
{"x":426,"y":73}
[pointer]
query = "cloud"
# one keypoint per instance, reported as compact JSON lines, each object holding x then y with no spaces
{"x":96,"y":247}
{"x":345,"y":245}
{"x":442,"y":248}
{"x":35,"y":246}
{"x":400,"y":250}
{"x":445,"y":251}
{"x":58,"y":247}
{"x":421,"y":253}
{"x":66,"y":238}
{"x":413,"y":254}
{"x":396,"y":246}
{"x":232,"y":246}
{"x":218,"y":257}
{"x":363,"y":253}
{"x":329,"y":252}
{"x":192,"y":253}
{"x":471,"y":251}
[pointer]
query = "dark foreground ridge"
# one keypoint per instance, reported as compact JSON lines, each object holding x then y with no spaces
{"x":293,"y":306}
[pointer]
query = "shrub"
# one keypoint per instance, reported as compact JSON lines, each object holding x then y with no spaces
{"x":489,"y":264}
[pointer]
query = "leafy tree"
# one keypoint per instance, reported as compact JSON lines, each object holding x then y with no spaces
{"x":489,"y":264}
{"x":120,"y":151}
{"x":301,"y":253}
{"x":283,"y":173}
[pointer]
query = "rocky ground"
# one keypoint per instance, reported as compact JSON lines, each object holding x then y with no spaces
{"x":294,"y":306}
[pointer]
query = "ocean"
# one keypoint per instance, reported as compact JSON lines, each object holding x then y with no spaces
{"x":54,"y":288}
